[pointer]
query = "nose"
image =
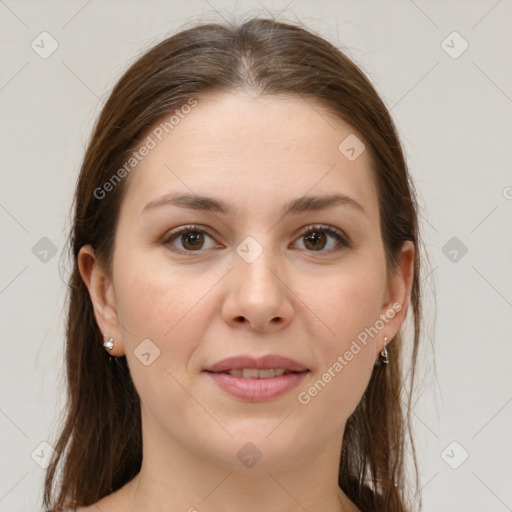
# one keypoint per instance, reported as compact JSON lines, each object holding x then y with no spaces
{"x":258,"y":294}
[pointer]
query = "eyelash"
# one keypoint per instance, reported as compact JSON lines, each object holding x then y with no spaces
{"x":342,"y":239}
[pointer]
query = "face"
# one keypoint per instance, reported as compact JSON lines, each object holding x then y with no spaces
{"x":260,"y":269}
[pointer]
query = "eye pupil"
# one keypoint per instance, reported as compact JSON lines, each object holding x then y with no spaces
{"x":315,"y":237}
{"x":194,"y":237}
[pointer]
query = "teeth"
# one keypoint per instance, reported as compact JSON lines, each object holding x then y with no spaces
{"x":254,"y":373}
{"x":250,"y":373}
{"x":265,"y":374}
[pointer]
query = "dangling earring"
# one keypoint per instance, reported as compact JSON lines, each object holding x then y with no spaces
{"x":109,"y":345}
{"x":383,"y":356}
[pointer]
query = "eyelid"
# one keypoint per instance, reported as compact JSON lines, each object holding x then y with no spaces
{"x":171,"y":235}
{"x":343,"y":239}
{"x":330,"y":230}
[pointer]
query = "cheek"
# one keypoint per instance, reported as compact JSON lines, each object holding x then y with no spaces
{"x":170,"y":308}
{"x":346,"y":303}
{"x":157,"y":300}
{"x":348,"y":310}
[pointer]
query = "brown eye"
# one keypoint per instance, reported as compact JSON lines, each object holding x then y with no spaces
{"x":316,"y":239}
{"x":190,"y":238}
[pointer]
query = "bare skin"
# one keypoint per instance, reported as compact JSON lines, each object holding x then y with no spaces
{"x":300,"y":298}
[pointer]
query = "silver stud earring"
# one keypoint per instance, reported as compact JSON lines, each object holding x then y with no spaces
{"x":109,"y":345}
{"x":383,"y":356}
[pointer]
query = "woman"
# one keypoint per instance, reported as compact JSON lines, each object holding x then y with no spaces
{"x":246,"y":248}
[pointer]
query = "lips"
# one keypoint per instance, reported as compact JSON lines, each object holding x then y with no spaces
{"x":268,"y":362}
{"x":257,"y":379}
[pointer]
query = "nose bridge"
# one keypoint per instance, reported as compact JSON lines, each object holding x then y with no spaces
{"x":256,"y":266}
{"x":257,"y":294}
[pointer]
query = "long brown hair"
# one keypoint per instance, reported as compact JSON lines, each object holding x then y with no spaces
{"x":269,"y":58}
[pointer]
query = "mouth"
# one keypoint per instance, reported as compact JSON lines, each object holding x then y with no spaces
{"x":257,"y":379}
{"x":254,"y":373}
{"x":250,"y":365}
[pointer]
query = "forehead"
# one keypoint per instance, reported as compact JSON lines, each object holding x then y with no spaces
{"x":238,"y":146}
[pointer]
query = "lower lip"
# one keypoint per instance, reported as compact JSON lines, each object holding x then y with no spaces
{"x":256,"y":390}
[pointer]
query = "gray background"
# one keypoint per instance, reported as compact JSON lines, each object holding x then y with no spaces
{"x":454,"y":116}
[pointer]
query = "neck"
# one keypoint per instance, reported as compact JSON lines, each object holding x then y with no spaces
{"x":174,"y":478}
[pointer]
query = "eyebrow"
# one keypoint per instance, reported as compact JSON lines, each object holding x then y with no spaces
{"x":295,"y":207}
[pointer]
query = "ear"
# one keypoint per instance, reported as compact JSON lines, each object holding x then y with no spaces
{"x":397,"y":295}
{"x":101,"y":291}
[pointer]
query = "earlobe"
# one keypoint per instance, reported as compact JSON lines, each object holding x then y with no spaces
{"x":101,"y":292}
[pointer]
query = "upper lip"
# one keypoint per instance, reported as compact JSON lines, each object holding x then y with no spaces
{"x":263,"y":363}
